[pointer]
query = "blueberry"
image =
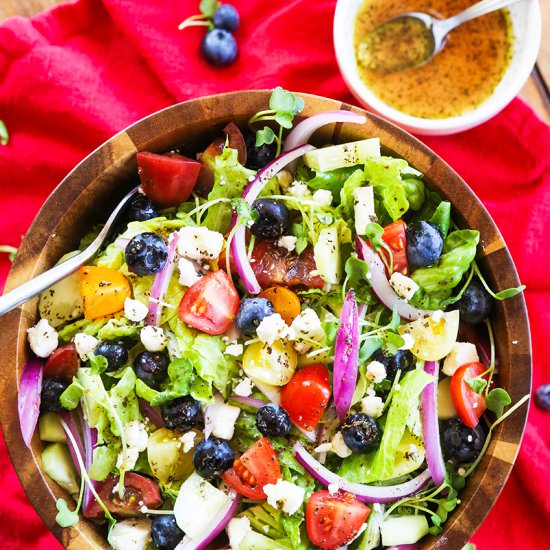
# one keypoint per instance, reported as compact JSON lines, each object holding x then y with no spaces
{"x":146,"y":254}
{"x":219,"y":47}
{"x":403,"y":360}
{"x":460,"y":443}
{"x":362,"y":433}
{"x":52,"y":389}
{"x":140,"y":209}
{"x":165,"y":532}
{"x":273,"y":219}
{"x":273,"y":420}
{"x":258,"y":157}
{"x":542,"y":397}
{"x":475,"y":304}
{"x":116,"y":354}
{"x":424,"y":243}
{"x":212,"y":457}
{"x":151,"y":367}
{"x":182,"y":414}
{"x":226,"y":17}
{"x":250,"y":314}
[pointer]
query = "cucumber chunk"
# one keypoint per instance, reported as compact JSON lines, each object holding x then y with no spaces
{"x":327,"y":255}
{"x":339,"y":156}
{"x":58,"y":464}
{"x":257,"y":541}
{"x":398,"y":530}
{"x":50,"y":429}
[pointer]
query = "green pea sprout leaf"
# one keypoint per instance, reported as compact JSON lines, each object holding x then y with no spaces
{"x":11,"y":250}
{"x":4,"y":134}
{"x":265,"y":136}
{"x":374,"y":233}
{"x":208,"y":7}
{"x":477,"y":384}
{"x":65,"y":517}
{"x":285,"y":104}
{"x":244,"y":211}
{"x":503,"y":294}
{"x":496,"y":400}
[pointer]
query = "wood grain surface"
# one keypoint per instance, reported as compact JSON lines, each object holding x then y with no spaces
{"x":535,"y":91}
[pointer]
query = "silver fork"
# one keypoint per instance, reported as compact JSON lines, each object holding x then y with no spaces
{"x":35,"y":286}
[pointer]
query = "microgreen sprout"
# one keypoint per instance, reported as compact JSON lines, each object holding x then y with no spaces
{"x":283,"y":107}
{"x":203,"y":19}
{"x":11,"y":250}
{"x":4,"y":134}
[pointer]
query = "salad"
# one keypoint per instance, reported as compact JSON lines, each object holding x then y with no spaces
{"x":285,"y":343}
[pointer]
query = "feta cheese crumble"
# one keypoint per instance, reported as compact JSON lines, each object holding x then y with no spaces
{"x":134,"y":310}
{"x":333,"y":488}
{"x":404,"y":286}
{"x":237,"y":529}
{"x":288,"y":242}
{"x":219,"y":419}
{"x":235,"y":350}
{"x":244,"y":387}
{"x":127,"y":460}
{"x":307,"y":326}
{"x":363,"y":200}
{"x":188,"y":273}
{"x":130,"y":534}
{"x":376,"y":372}
{"x":188,"y":440}
{"x":199,"y":243}
{"x":339,"y":445}
{"x":408,"y":341}
{"x":285,"y":495}
{"x":43,"y":338}
{"x":153,"y":338}
{"x":272,"y":328}
{"x":322,"y":197}
{"x":298,"y":189}
{"x":372,"y":405}
{"x":85,"y":345}
{"x":462,"y":353}
{"x":136,"y":435}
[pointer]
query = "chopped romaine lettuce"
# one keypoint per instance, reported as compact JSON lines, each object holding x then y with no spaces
{"x":104,"y":461}
{"x":347,"y":201}
{"x":68,"y":332}
{"x":442,"y":217}
{"x":415,"y":191}
{"x":112,"y":257}
{"x":379,"y":464}
{"x":436,"y":283}
{"x":332,"y":180}
{"x":117,"y":328}
{"x":178,"y":384}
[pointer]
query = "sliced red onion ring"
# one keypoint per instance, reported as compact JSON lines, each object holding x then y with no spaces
{"x":161,"y":282}
{"x":79,"y":450}
{"x":250,"y":194}
{"x":257,"y":403}
{"x":90,"y":441}
{"x":365,"y":493}
{"x":430,"y":426}
{"x":215,"y":528}
{"x":346,"y":355}
{"x":382,"y":287}
{"x":152,"y":413}
{"x":28,"y":398}
{"x":405,"y":547}
{"x":305,"y":129}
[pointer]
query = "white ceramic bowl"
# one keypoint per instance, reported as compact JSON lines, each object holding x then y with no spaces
{"x":526,"y":22}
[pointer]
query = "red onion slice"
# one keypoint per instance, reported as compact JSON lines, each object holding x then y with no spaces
{"x":79,"y":450}
{"x":216,"y":526}
{"x":28,"y":398}
{"x":430,"y":426}
{"x":250,"y":194}
{"x":305,"y":129}
{"x":161,"y":282}
{"x":346,"y":355}
{"x":405,"y":547}
{"x":365,"y":493}
{"x":90,"y":441}
{"x":382,"y":287}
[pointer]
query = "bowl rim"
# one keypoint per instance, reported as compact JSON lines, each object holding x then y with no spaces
{"x":106,"y":158}
{"x":490,"y":107}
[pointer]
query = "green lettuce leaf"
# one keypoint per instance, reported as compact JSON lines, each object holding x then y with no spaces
{"x":104,"y":461}
{"x":68,"y":332}
{"x":442,"y":217}
{"x":379,"y":464}
{"x":332,"y":180}
{"x":124,"y":401}
{"x":112,"y":257}
{"x":347,"y":202}
{"x":118,"y":328}
{"x":436,"y":283}
{"x":415,"y":192}
{"x":230,"y":179}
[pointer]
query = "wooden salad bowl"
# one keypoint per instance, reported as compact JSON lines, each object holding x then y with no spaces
{"x":89,"y":192}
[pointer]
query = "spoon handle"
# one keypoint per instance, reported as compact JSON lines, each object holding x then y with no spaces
{"x":481,"y":8}
{"x":35,"y":286}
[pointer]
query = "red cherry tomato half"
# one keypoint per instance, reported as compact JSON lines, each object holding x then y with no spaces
{"x":168,"y":180}
{"x":63,"y":363}
{"x":138,"y":491}
{"x":334,"y":520}
{"x":306,"y":396}
{"x":210,"y":305}
{"x":274,"y":265}
{"x":257,"y":467}
{"x":468,"y":404}
{"x":395,"y":237}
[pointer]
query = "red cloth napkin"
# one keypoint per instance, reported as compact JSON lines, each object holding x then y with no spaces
{"x":72,"y":77}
